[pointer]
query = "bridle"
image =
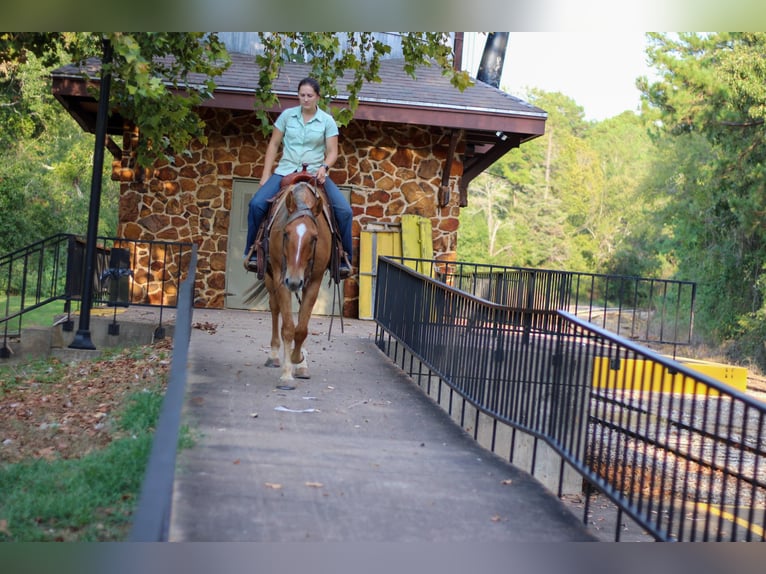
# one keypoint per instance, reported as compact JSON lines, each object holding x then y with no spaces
{"x":301,"y":211}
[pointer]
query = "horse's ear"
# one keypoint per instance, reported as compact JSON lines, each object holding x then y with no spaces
{"x":317,"y":208}
{"x":290,"y":202}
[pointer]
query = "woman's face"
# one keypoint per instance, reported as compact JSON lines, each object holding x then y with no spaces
{"x":308,"y":98}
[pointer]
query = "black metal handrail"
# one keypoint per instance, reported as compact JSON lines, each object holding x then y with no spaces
{"x":151,"y":521}
{"x":655,"y":311}
{"x":679,"y":453}
{"x":127,"y":272}
{"x":37,"y":274}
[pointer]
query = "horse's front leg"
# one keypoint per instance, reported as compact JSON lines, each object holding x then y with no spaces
{"x":298,"y":356}
{"x":288,"y":334}
{"x":273,"y":360}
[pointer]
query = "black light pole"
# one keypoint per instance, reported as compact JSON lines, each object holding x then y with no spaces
{"x":82,"y":339}
{"x":491,"y":66}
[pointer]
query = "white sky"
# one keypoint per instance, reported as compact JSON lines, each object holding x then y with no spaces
{"x":597,"y":70}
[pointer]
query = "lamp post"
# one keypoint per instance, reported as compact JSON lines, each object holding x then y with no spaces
{"x":82,"y":339}
{"x":491,"y":66}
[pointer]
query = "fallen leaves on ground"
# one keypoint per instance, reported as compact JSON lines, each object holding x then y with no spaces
{"x":205,"y":326}
{"x":65,"y":410}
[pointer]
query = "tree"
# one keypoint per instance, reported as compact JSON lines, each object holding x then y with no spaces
{"x":491,"y":202}
{"x":619,"y":213}
{"x":331,"y":55}
{"x":710,"y":97}
{"x":145,"y":64}
{"x":45,"y":161}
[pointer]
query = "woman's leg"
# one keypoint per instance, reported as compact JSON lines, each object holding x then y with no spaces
{"x":343,"y":214}
{"x":259,"y":206}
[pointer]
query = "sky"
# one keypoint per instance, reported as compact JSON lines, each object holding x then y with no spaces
{"x":597,"y":70}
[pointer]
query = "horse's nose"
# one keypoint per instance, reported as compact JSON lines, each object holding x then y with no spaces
{"x":293,"y":284}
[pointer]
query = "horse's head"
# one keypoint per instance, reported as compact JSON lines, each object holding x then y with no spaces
{"x":300,"y":234}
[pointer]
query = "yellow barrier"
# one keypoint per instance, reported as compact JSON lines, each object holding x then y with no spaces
{"x":641,"y":375}
{"x":412,"y":238}
{"x":374,"y":240}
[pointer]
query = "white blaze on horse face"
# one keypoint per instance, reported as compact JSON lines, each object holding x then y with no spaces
{"x":300,"y":231}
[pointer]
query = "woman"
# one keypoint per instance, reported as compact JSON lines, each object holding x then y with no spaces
{"x":308,"y":135}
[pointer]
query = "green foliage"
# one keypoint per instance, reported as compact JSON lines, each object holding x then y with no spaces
{"x":142,"y":67}
{"x":710,"y":100}
{"x":145,"y":64}
{"x":45,"y":161}
{"x":565,"y":200}
{"x":331,"y":61}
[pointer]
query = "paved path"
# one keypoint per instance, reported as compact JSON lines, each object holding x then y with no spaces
{"x":355,"y":454}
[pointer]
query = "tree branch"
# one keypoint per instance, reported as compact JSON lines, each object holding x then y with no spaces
{"x":748,"y":124}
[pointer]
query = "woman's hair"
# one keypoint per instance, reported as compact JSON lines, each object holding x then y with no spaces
{"x":311,"y":82}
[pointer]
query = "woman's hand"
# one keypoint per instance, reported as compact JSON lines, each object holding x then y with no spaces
{"x":322,"y":173}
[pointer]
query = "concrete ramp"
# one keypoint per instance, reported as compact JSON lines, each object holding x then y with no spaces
{"x":357,"y":453}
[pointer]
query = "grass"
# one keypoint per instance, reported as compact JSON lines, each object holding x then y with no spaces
{"x":40,"y":317}
{"x":84,"y":499}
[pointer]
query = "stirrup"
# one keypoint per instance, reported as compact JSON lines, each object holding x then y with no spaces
{"x":345,"y":267}
{"x":251,"y":260}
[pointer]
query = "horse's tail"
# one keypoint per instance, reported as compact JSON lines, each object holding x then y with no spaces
{"x":255,"y":291}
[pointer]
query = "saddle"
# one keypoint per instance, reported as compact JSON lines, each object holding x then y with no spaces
{"x":261,"y":245}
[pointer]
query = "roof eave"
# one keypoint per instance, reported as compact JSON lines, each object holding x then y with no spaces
{"x":530,"y":124}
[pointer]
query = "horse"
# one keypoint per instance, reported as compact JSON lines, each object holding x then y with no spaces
{"x":300,"y":250}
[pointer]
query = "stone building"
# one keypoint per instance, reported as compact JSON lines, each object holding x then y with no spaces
{"x":413,"y":147}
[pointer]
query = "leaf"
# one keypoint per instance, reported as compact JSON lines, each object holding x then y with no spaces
{"x":314,"y":484}
{"x":48,"y":453}
{"x":273,"y":485}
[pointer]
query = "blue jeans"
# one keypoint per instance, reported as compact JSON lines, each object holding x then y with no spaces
{"x":259,"y":206}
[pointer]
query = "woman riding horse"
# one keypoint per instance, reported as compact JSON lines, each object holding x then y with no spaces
{"x":300,"y":241}
{"x":309,"y":136}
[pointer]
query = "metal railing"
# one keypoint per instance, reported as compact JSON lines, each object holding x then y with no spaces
{"x":32,"y":277}
{"x":679,"y":453}
{"x":127,"y":272}
{"x":151,"y":521}
{"x":656,"y":311}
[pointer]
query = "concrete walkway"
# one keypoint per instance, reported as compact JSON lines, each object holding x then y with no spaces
{"x":355,"y":454}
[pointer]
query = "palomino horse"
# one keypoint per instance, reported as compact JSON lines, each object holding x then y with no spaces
{"x":300,"y":241}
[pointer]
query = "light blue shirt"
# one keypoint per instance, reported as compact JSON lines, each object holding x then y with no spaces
{"x":303,"y":142}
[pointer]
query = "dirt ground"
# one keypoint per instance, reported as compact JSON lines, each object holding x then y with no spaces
{"x":66,"y":410}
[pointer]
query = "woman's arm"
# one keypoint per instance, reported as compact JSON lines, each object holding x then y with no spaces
{"x":330,"y":156}
{"x":271,"y":154}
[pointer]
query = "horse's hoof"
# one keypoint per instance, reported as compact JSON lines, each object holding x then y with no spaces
{"x":302,"y":373}
{"x":270,"y":362}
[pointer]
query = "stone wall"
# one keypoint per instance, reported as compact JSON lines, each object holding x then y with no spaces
{"x":391,"y":170}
